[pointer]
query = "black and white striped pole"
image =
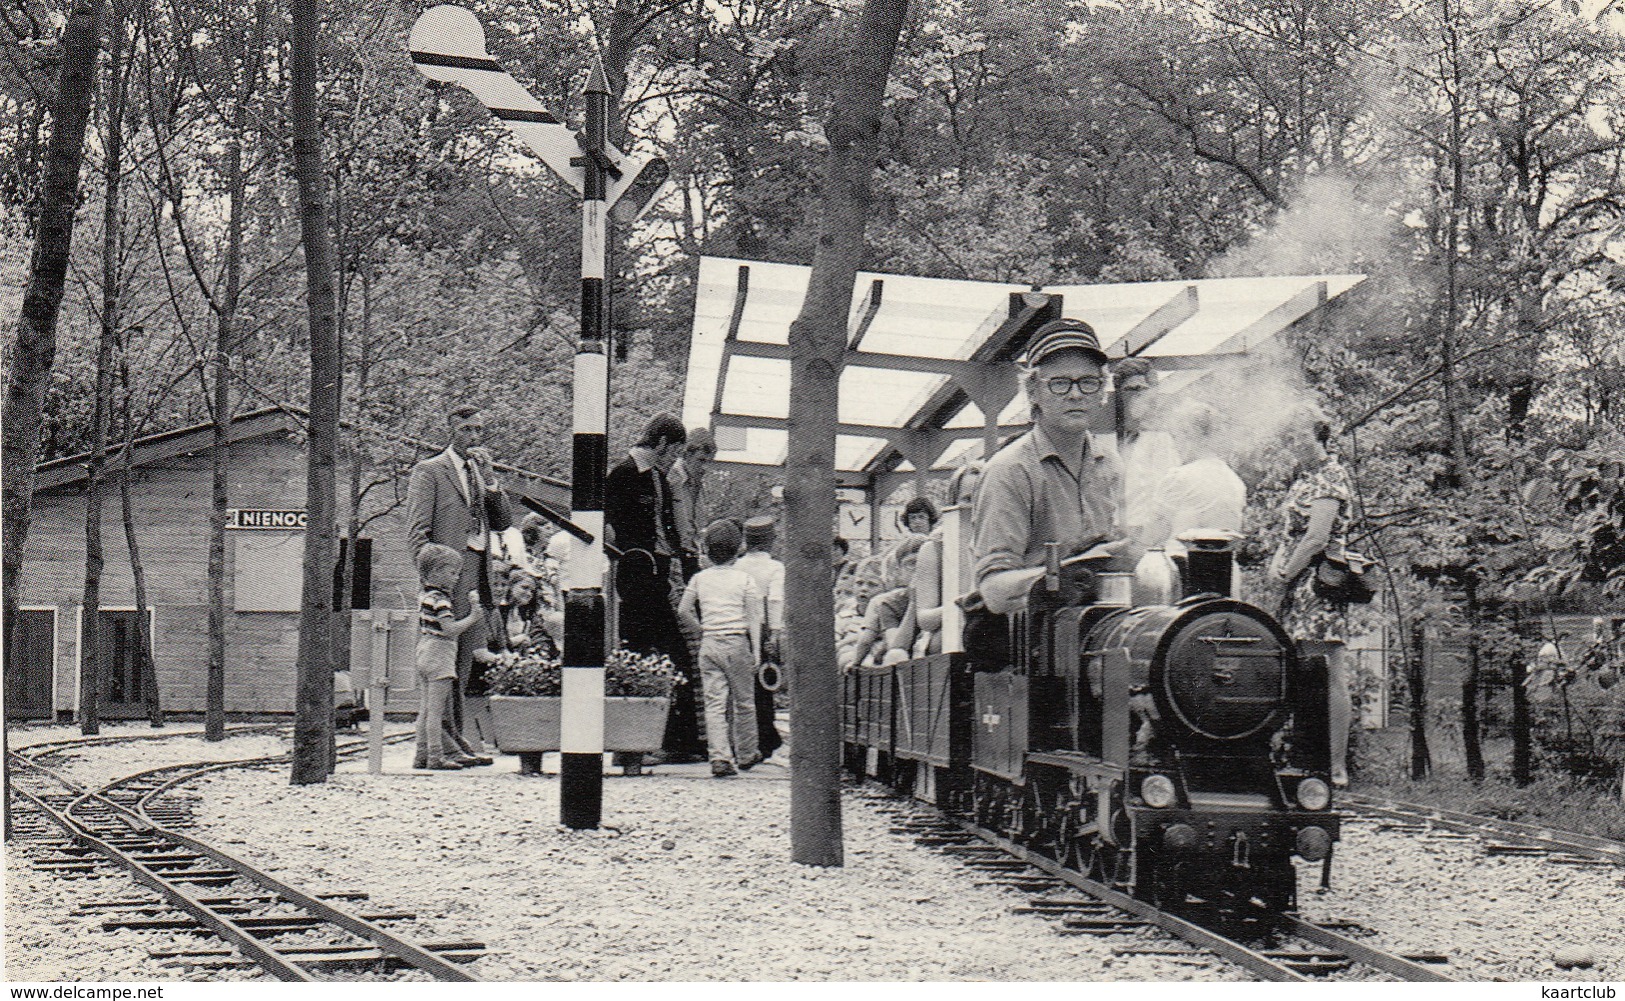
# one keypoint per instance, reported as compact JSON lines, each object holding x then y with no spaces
{"x":581,"y":734}
{"x":448,"y":45}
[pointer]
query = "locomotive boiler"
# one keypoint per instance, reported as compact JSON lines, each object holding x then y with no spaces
{"x":1175,"y":751}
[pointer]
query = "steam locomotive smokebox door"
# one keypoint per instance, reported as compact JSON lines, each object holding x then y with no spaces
{"x":999,"y":722}
{"x":1224,"y":672}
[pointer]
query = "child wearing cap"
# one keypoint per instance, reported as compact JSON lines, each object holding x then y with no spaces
{"x":722,"y":605}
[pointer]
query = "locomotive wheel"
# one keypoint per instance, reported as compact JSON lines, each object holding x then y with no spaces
{"x":987,"y":802}
{"x":1052,"y":824}
{"x":1007,"y":811}
{"x":1074,"y":805}
{"x":902,"y":778}
{"x":1030,"y":815}
{"x":1102,"y":863}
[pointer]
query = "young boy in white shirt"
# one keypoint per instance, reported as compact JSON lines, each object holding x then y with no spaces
{"x":722,"y":605}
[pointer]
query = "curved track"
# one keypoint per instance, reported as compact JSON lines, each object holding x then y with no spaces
{"x":124,"y":823}
{"x":1500,"y":837}
{"x":1108,"y":910}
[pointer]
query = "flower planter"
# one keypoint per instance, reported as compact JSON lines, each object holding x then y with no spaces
{"x":530,"y":723}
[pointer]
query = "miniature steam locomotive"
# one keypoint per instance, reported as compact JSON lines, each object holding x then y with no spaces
{"x":1174,"y":751}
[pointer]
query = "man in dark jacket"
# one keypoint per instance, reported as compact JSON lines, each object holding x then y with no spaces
{"x":642,"y":523}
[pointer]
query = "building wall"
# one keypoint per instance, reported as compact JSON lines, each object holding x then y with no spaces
{"x":171,"y":501}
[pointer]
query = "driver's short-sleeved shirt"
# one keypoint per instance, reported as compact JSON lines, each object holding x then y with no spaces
{"x":1029,"y":496}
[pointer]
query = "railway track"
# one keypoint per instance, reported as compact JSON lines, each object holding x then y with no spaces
{"x":202,"y":889}
{"x":1499,"y":837}
{"x":1322,"y":949}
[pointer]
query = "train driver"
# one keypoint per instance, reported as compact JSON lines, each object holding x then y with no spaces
{"x":1053,"y":484}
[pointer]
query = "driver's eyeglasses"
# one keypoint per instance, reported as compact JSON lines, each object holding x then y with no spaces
{"x":472,"y":427}
{"x":1088,"y":385}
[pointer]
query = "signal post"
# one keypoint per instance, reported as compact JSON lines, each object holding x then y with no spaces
{"x":448,"y":45}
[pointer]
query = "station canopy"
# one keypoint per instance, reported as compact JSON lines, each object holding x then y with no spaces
{"x":928,"y":359}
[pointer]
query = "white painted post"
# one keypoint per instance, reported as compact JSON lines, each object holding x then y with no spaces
{"x":952,"y":561}
{"x":377,"y":691}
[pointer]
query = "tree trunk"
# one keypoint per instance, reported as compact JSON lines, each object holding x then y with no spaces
{"x":1522,"y":748}
{"x":1456,"y":467}
{"x":93,"y":674}
{"x":34,"y":352}
{"x":1416,"y":681}
{"x":214,"y":712}
{"x":313,"y":700}
{"x":1471,"y":740}
{"x":352,"y":526}
{"x":145,"y":665}
{"x":817,"y":339}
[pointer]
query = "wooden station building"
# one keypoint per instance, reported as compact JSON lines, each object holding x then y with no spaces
{"x":171,"y":492}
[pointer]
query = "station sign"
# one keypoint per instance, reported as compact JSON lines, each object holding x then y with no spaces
{"x":276,"y":519}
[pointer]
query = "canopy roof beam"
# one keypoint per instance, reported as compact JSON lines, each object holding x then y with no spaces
{"x":1158,"y":323}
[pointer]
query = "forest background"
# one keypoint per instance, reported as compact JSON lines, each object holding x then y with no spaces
{"x":1468,"y":157}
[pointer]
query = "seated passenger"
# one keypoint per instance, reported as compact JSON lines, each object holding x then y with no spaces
{"x":851,"y":603}
{"x":1202,"y":493}
{"x":920,"y":516}
{"x":1148,"y":451}
{"x":919,"y":634}
{"x":886,"y":609}
{"x":1051,"y":484}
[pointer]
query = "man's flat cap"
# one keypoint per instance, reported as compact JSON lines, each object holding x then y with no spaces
{"x":1064,"y":335}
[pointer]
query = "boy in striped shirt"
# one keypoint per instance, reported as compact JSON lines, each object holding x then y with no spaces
{"x":439,"y":567}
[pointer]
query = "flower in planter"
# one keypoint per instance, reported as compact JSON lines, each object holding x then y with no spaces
{"x":523,"y":674}
{"x":626,"y":674}
{"x":640,"y":674}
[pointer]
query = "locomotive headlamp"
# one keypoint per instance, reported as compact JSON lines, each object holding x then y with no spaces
{"x":1179,"y":837}
{"x":1158,"y":791}
{"x":1314,"y":794}
{"x":1314,"y":843}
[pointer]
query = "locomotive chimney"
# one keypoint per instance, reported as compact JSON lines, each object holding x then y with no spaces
{"x":1210,"y":559}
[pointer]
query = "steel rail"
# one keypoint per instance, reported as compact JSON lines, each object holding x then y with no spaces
{"x":170,"y":891}
{"x":269,"y":958}
{"x":1399,"y":966}
{"x":1220,"y":945}
{"x":45,"y":747}
{"x":1225,"y":948}
{"x":199,"y":768}
{"x":412,"y":955}
{"x":386,"y":942}
{"x":1607,"y":849}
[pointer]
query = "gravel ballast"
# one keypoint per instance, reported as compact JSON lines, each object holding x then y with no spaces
{"x":690,"y":879}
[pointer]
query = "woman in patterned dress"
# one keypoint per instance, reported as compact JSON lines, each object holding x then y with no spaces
{"x":1316,"y":513}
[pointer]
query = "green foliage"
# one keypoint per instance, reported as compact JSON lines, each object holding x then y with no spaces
{"x":1590,"y":547}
